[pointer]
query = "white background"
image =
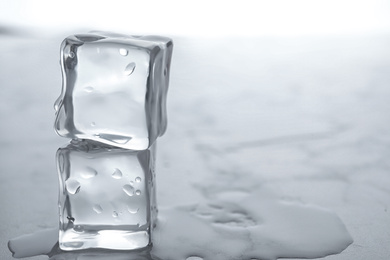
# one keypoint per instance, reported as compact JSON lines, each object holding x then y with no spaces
{"x":206,"y":18}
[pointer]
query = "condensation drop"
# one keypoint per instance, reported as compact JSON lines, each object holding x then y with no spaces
{"x":88,"y":89}
{"x":115,"y":214}
{"x":137,"y":192}
{"x":97,"y":208}
{"x":128,"y":189}
{"x":138,"y":179}
{"x":129,"y":69}
{"x":123,"y":52}
{"x":117,"y":174}
{"x":72,"y":186}
{"x":88,"y":173}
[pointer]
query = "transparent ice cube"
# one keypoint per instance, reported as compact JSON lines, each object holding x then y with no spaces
{"x":107,"y":196}
{"x":114,"y":88}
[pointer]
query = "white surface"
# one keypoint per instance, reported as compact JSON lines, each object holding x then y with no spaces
{"x":306,"y":117}
{"x":203,"y":17}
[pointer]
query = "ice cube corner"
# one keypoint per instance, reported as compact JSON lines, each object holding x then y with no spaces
{"x":114,"y":89}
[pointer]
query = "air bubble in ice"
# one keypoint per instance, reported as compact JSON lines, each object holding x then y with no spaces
{"x":71,"y":54}
{"x":72,"y":186}
{"x":117,"y":174}
{"x":129,"y":69}
{"x":115,"y":214}
{"x":93,"y":124}
{"x":138,"y":179}
{"x":137,"y":192}
{"x":128,"y":189}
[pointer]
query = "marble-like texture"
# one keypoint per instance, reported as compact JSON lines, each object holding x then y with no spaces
{"x":306,"y":118}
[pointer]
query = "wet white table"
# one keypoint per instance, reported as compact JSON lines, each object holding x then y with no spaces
{"x":274,"y":146}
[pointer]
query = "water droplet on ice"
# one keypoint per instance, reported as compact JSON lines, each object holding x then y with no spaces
{"x":194,"y":258}
{"x":88,"y":37}
{"x":78,"y":228}
{"x":88,"y":173}
{"x":61,"y":163}
{"x":137,"y":192}
{"x":88,"y":89}
{"x":117,"y":174}
{"x":97,"y":208}
{"x":129,"y":69}
{"x":123,"y":52}
{"x":119,"y":139}
{"x":115,"y":214}
{"x":132,"y":210}
{"x":128,"y":189}
{"x":73,"y":244}
{"x":138,"y":179}
{"x":72,"y":186}
{"x":57,"y":104}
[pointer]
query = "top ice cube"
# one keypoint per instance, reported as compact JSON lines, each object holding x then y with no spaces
{"x":114,"y":89}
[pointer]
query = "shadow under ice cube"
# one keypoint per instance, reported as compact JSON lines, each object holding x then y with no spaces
{"x":114,"y":89}
{"x":107,"y":197}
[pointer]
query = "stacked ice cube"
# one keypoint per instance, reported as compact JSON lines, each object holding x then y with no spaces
{"x":112,"y":106}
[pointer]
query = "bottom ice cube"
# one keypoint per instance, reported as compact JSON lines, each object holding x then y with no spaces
{"x":107,"y":196}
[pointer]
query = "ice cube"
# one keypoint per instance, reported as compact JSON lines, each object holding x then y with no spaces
{"x":114,"y":88}
{"x":107,"y":196}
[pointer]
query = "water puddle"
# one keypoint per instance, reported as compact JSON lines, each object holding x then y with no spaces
{"x":232,"y":225}
{"x":235,"y":215}
{"x":253,"y":226}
